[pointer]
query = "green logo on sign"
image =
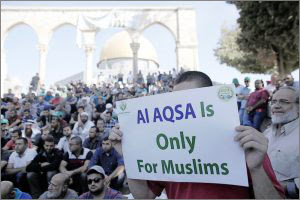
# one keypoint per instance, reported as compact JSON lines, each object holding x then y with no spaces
{"x":123,"y":106}
{"x":225,"y":93}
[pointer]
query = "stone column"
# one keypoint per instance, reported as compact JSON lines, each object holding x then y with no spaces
{"x":187,"y":43}
{"x":135,"y":47}
{"x":88,"y":73}
{"x":43,"y":48}
{"x":187,"y":57}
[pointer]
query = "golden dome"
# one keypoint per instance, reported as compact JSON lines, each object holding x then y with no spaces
{"x":118,"y":46}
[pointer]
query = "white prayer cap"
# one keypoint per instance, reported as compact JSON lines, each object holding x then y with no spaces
{"x":84,"y":113}
{"x":108,"y":106}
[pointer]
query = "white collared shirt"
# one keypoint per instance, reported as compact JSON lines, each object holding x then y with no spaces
{"x":83,"y":132}
{"x":22,"y":161}
{"x":35,"y":132}
{"x":283,"y":150}
{"x":63,"y":144}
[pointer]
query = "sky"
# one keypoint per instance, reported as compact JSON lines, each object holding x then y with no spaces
{"x":64,"y":58}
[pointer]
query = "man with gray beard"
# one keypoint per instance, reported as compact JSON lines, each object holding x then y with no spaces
{"x":283,"y":135}
{"x":59,"y":188}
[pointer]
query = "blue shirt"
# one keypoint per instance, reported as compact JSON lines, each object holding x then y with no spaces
{"x":88,"y":143}
{"x":48,"y":98}
{"x":22,"y":195}
{"x":94,"y":99}
{"x":244,"y":91}
{"x":40,"y":106}
{"x":109,"y":161}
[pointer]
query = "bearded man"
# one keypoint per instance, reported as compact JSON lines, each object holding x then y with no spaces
{"x":283,"y":135}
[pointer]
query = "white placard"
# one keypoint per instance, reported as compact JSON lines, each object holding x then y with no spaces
{"x":183,"y":136}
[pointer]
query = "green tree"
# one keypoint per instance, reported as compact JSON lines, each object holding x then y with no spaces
{"x":229,"y":52}
{"x":269,"y":30}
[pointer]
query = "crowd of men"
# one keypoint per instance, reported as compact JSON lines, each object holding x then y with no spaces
{"x":66,"y":144}
{"x":255,"y":107}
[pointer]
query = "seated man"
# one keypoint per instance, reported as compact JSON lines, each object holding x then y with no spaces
{"x":5,"y":135}
{"x":41,"y":105}
{"x":56,"y":129}
{"x":9,"y":192}
{"x":43,"y":167}
{"x":83,"y":125}
{"x":59,"y":188}
{"x":45,"y":132}
{"x":4,"y":159}
{"x":97,"y":187}
{"x":109,"y":121}
{"x":18,"y":161}
{"x":93,"y":141}
{"x":63,"y":143}
{"x":31,"y":132}
{"x":75,"y":163}
{"x":283,"y":135}
{"x":27,"y":116}
{"x":100,"y":125}
{"x":263,"y":182}
{"x":45,"y":117}
{"x":112,"y":163}
{"x":13,"y":119}
{"x":110,"y":109}
{"x":11,"y":144}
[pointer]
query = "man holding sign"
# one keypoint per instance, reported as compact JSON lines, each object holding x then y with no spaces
{"x":215,"y":175}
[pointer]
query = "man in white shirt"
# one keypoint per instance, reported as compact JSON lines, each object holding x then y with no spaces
{"x":18,"y":160}
{"x":30,"y":131}
{"x":289,"y":81}
{"x":272,"y":86}
{"x":63,"y":143}
{"x":82,"y":127}
{"x":283,"y":135}
{"x":110,"y":109}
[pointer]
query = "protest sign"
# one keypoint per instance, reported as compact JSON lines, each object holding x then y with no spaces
{"x":183,"y":136}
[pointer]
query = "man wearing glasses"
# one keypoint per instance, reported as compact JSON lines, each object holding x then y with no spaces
{"x":97,"y":187}
{"x":59,"y":188}
{"x":75,"y":163}
{"x":283,"y":135}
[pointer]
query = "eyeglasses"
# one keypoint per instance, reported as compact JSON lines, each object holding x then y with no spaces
{"x":51,"y":184}
{"x":281,"y":102}
{"x":96,"y":180}
{"x":73,"y":144}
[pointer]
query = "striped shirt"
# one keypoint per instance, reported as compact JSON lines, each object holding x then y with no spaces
{"x":76,"y":162}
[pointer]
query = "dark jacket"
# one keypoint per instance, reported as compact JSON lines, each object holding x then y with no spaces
{"x":57,"y":134}
{"x":54,"y":158}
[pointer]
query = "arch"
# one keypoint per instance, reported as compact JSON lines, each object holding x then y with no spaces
{"x":165,"y":45}
{"x":61,"y":24}
{"x":58,"y":59}
{"x":45,"y":21}
{"x":25,"y":51}
{"x":17,"y":23}
{"x":162,"y":24}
